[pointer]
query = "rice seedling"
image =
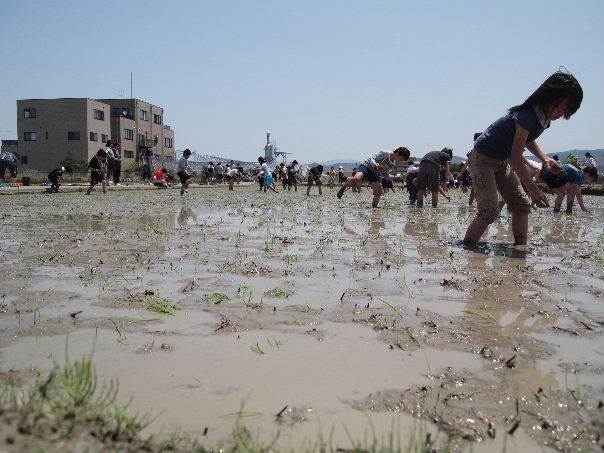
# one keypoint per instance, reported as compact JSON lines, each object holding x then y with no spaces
{"x":414,"y":335}
{"x":216,"y":298}
{"x":276,"y":293}
{"x":487,"y":315}
{"x":257,"y":349}
{"x":162,"y":307}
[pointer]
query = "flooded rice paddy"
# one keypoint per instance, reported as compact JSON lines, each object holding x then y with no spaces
{"x":299,"y":316}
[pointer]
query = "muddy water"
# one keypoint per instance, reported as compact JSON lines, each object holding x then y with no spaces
{"x":327,"y":307}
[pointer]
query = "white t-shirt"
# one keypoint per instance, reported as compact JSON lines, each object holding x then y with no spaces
{"x":232,"y":172}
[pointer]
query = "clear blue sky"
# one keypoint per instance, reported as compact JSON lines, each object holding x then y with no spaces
{"x":329,"y":79}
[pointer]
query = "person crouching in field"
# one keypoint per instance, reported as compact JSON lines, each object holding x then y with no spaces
{"x":55,"y":178}
{"x":568,"y":183}
{"x":182,"y":171}
{"x":428,"y":176}
{"x":292,"y":175}
{"x":98,"y":166}
{"x":234,"y":175}
{"x":496,"y":162}
{"x":314,"y":177}
{"x":159,"y":179}
{"x":373,"y":169}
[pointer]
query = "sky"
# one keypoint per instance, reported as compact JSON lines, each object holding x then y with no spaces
{"x":328,"y":79}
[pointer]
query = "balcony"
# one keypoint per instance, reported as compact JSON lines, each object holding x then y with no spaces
{"x":167,"y":127}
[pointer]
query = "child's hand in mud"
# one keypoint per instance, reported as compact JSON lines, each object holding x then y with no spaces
{"x":538,"y":197}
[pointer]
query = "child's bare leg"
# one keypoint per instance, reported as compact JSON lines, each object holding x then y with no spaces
{"x":560,"y":192}
{"x":377,"y":193}
{"x":471,"y":201}
{"x":104,"y":186}
{"x":230,"y":184}
{"x":520,"y":227}
{"x":320,"y":186}
{"x":570,"y":199}
{"x":90,"y":189}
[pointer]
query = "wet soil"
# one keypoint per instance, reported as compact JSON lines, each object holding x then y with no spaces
{"x":299,"y":315}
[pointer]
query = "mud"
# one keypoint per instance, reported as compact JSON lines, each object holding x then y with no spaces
{"x":299,"y":314}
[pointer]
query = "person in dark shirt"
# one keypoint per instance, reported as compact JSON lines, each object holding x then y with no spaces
{"x":98,"y":165}
{"x":341,"y":175}
{"x":292,"y":176}
{"x":117,"y":164}
{"x":55,"y":178}
{"x":568,"y":183}
{"x":314,"y":176}
{"x":497,"y":164}
{"x":428,"y":176}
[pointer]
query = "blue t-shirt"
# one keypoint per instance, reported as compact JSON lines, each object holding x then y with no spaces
{"x":574,"y":175}
{"x":498,"y":139}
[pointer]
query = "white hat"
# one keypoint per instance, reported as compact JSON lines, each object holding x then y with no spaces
{"x":340,"y":167}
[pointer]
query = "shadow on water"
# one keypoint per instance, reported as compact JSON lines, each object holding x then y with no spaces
{"x":493,"y":249}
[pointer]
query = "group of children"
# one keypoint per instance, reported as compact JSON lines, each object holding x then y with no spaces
{"x":495,"y":167}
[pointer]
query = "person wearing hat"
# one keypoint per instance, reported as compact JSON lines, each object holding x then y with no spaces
{"x":55,"y":178}
{"x":341,"y":176}
{"x":589,"y":161}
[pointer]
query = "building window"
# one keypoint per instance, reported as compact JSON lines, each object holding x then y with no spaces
{"x":128,"y":134}
{"x":144,"y":115}
{"x":29,"y":113}
{"x":94,"y":137}
{"x":155,"y":140}
{"x":156,"y":118}
{"x":123,"y":112}
{"x":46,"y":135}
{"x":99,"y":115}
{"x":24,"y":160}
{"x":29,"y":136}
{"x":167,"y":142}
{"x":129,"y":154}
{"x":74,"y":135}
{"x":141,"y":139}
{"x":104,"y":138}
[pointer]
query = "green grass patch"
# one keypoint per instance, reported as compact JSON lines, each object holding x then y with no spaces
{"x":217,"y":298}
{"x":276,"y":293}
{"x":162,"y":307}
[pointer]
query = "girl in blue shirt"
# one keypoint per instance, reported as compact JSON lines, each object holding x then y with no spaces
{"x":496,"y":162}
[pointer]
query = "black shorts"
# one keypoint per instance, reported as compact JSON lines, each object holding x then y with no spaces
{"x":96,"y":178}
{"x":183,"y":177}
{"x":428,"y":176}
{"x":368,"y":174}
{"x":387,"y":183}
{"x":313,"y":179}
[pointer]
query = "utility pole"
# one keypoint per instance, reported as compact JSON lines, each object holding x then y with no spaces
{"x":131,"y":85}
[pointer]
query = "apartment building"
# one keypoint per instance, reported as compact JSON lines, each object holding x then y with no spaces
{"x":138,"y":127}
{"x":51,"y":130}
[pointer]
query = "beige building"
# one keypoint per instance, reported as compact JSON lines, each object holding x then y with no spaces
{"x":51,"y":130}
{"x":138,"y":126}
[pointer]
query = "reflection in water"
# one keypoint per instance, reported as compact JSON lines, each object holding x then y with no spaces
{"x":376,"y":223}
{"x":184,"y":215}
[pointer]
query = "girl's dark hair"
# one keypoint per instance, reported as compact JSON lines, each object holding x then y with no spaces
{"x":320,"y":168}
{"x":476,"y":135}
{"x":101,"y":153}
{"x":403,"y":152}
{"x":448,"y":151}
{"x":186,"y":152}
{"x":240,"y":169}
{"x":591,"y":171}
{"x":559,"y":86}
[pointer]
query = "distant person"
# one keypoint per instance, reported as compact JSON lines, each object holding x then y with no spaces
{"x":331,"y":178}
{"x":590,"y":161}
{"x":292,"y":176}
{"x":159,"y":178}
{"x":556,"y":158}
{"x":373,"y":170}
{"x":219,"y":170}
{"x":98,"y":167}
{"x":10,"y":161}
{"x":269,"y":182}
{"x":410,"y":177}
{"x":147,"y":165}
{"x":503,"y":143}
{"x":314,"y":177}
{"x":182,"y":171}
{"x":210,"y":172}
{"x":55,"y":177}
{"x":234,"y":175}
{"x":110,"y":157}
{"x":117,"y":164}
{"x":568,"y":183}
{"x":428,"y":177}
{"x":341,"y":176}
